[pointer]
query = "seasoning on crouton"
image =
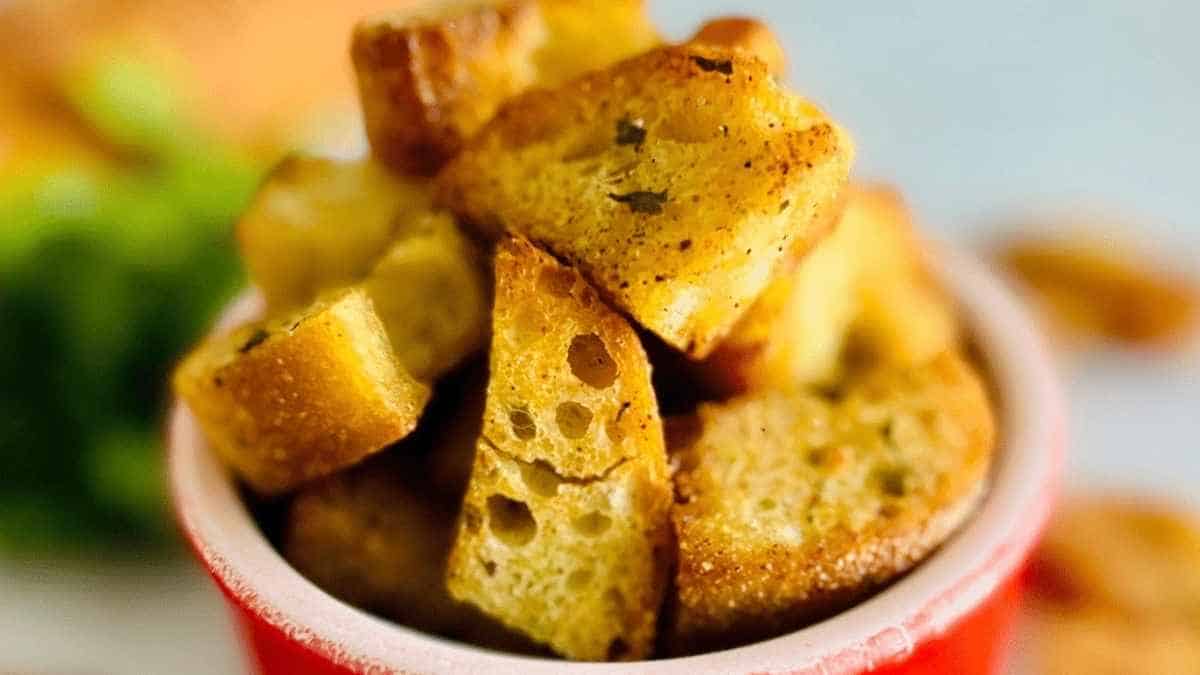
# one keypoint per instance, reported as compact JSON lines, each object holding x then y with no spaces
{"x":564,"y":530}
{"x":676,"y":181}
{"x":751,"y":35}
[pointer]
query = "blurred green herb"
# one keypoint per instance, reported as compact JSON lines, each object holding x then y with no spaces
{"x":106,"y":276}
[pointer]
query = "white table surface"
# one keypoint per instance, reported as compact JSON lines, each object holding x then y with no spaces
{"x":982,"y":113}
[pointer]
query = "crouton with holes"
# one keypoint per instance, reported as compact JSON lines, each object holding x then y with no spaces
{"x":838,"y":497}
{"x":430,"y":291}
{"x":430,"y":77}
{"x":564,"y":532}
{"x":867,"y":284}
{"x":289,"y":400}
{"x":371,"y":537}
{"x":676,"y":181}
{"x":319,"y":223}
{"x":750,"y":35}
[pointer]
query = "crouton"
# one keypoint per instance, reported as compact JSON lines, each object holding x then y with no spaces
{"x":839,"y":496}
{"x":286,"y":401}
{"x":1094,"y":288}
{"x":1115,"y":588}
{"x":676,"y":181}
{"x":583,"y":35}
{"x":430,"y":292}
{"x":371,"y":537}
{"x":751,"y":35}
{"x":867,"y":282}
{"x":319,"y":223}
{"x":429,"y":78}
{"x":564,"y":525}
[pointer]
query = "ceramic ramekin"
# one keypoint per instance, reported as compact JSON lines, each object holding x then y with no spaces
{"x":952,"y":614}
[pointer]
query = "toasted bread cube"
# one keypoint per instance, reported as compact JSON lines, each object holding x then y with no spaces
{"x":676,"y":181}
{"x":564,"y":526}
{"x":367,"y":536}
{"x":429,"y":289}
{"x":1116,"y":584}
{"x":838,"y":496}
{"x":429,"y":78}
{"x":583,"y":35}
{"x":286,"y":401}
{"x":1093,"y":287}
{"x":319,"y":223}
{"x":867,"y":281}
{"x":371,"y":537}
{"x":751,"y":35}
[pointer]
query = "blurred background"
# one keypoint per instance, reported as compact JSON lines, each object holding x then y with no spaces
{"x":132,"y":133}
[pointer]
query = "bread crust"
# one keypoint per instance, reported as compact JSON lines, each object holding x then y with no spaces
{"x":839,"y":498}
{"x":676,"y":181}
{"x":429,"y":80}
{"x":290,"y":400}
{"x":748,"y":34}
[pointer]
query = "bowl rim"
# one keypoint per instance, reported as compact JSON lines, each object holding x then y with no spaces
{"x":988,"y":550}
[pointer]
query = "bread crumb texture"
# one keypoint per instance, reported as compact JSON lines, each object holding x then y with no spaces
{"x":791,"y":506}
{"x":564,"y":533}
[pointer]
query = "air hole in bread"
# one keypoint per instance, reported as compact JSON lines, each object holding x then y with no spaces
{"x":489,"y":567}
{"x":592,"y":524}
{"x":541,"y":478}
{"x":766,"y":504}
{"x":615,"y":433}
{"x":579,"y":579}
{"x":510,"y":520}
{"x":819,"y":456}
{"x":556,"y":281}
{"x":590,"y":361}
{"x":618,"y":649}
{"x":523,"y":426}
{"x":573,"y":419}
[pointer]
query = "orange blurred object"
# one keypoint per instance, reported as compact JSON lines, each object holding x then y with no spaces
{"x":1090,"y":287}
{"x":260,"y":71}
{"x":1116,"y":589}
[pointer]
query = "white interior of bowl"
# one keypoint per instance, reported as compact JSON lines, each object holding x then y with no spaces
{"x":943,"y":589}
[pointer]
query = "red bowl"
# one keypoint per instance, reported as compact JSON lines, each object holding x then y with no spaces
{"x":953,"y":614}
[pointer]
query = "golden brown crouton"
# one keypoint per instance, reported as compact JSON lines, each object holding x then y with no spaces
{"x":430,"y":77}
{"x":1116,"y":589}
{"x":373,"y":538}
{"x":286,"y":401}
{"x":837,"y":497}
{"x":868,"y":280}
{"x":676,"y":181}
{"x":431,"y":294}
{"x":564,"y":525}
{"x":751,"y":35}
{"x":1092,"y":289}
{"x":319,"y":223}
